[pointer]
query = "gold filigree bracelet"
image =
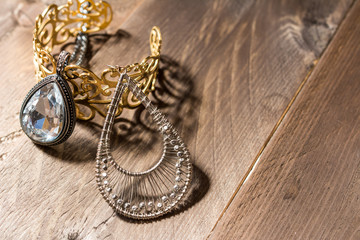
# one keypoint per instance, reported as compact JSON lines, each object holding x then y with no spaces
{"x":66,"y":89}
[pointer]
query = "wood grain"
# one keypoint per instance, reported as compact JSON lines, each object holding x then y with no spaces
{"x":229,"y":69}
{"x":306,"y":184}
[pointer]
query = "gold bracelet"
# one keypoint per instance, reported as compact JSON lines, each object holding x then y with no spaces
{"x":88,"y":93}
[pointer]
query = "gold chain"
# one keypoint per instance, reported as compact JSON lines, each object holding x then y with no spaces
{"x":92,"y":93}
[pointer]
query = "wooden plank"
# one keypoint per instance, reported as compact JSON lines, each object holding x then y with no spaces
{"x":238,"y":65}
{"x":306,"y":184}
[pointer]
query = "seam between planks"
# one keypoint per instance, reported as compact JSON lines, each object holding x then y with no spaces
{"x":257,"y":158}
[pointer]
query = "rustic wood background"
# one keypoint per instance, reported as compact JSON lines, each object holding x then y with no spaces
{"x":265,"y":94}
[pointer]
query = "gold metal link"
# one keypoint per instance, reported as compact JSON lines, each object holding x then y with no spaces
{"x":92,"y":93}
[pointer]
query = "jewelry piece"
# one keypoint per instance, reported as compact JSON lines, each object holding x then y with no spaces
{"x":151,"y":193}
{"x":48,"y":111}
{"x":68,"y":90}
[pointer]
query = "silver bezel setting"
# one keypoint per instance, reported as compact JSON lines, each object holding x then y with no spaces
{"x":70,"y":113}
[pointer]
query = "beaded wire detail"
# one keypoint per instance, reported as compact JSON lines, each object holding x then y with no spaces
{"x":151,"y":193}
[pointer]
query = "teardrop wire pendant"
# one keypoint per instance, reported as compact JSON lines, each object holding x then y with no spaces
{"x":151,"y":193}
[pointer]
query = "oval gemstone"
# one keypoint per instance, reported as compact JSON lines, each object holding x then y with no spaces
{"x":44,"y":114}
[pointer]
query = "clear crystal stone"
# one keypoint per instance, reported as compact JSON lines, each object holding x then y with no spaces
{"x":134,"y":208}
{"x":44,"y":114}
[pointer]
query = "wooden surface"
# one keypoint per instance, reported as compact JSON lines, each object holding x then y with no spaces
{"x":306,"y":185}
{"x":235,"y":68}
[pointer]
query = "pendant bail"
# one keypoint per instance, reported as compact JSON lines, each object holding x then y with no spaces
{"x":62,"y":62}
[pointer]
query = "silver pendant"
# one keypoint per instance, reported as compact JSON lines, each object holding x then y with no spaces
{"x":151,"y":193}
{"x":48,"y":115}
